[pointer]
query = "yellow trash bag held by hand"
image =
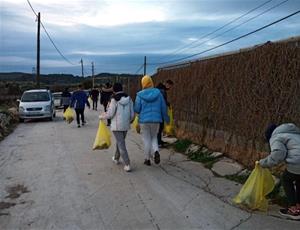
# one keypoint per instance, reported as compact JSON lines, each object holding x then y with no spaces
{"x":90,"y":101}
{"x":68,"y":115}
{"x":253,"y":193}
{"x":136,"y":125}
{"x":169,"y":127}
{"x":102,"y":140}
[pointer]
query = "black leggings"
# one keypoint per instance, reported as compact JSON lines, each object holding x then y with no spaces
{"x":79,"y":112}
{"x":95,"y":103}
{"x":105,"y":105}
{"x":65,"y":107}
{"x":291,"y":186}
{"x":161,"y":128}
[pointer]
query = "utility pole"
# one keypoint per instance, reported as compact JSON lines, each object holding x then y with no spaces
{"x":38,"y":51}
{"x":81,"y":68}
{"x":145,"y":65}
{"x":93,"y":77}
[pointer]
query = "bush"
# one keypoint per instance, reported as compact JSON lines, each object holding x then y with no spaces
{"x":182,"y":145}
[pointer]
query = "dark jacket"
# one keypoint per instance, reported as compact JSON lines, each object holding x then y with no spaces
{"x":95,"y":94}
{"x":163,"y":90}
{"x":79,"y":99}
{"x":105,"y":97}
{"x":66,"y":98}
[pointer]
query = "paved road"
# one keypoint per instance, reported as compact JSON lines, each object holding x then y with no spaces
{"x":52,"y":179}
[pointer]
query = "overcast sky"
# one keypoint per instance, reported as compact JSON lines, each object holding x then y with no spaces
{"x":117,"y":34}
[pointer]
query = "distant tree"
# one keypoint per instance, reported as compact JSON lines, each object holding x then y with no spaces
{"x":87,"y":84}
{"x":14,"y":89}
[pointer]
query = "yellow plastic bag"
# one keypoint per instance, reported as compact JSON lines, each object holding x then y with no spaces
{"x":68,"y":115}
{"x":136,"y":125}
{"x":253,"y":193}
{"x":90,"y":101}
{"x":102,"y":140}
{"x":169,"y":127}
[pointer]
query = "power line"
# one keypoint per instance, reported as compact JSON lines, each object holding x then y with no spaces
{"x":48,"y":35}
{"x":222,"y":27}
{"x":67,"y":60}
{"x":233,"y":40}
{"x":250,"y":19}
{"x":31,"y":8}
{"x":139,"y":69}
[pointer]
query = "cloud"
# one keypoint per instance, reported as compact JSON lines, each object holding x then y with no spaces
{"x":15,"y":60}
{"x":117,"y":34}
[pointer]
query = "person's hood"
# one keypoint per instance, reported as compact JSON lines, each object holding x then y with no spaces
{"x":124,"y":101}
{"x":117,"y":96}
{"x":286,"y":128}
{"x":149,"y":95}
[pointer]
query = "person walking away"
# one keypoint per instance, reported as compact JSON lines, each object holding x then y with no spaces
{"x":106,"y":93}
{"x":284,"y":143}
{"x":66,"y":98}
{"x":120,"y":111}
{"x":95,"y":96}
{"x":78,"y":101}
{"x":152,"y":110}
{"x":163,"y":89}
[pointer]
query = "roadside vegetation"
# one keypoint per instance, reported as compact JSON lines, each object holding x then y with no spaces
{"x":8,"y":119}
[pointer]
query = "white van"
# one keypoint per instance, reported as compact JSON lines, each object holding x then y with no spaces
{"x":36,"y":104}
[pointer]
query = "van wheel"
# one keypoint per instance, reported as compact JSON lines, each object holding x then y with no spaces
{"x":54,"y":115}
{"x":21,"y":120}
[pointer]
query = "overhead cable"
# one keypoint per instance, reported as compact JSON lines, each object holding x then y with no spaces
{"x":248,"y":20}
{"x":228,"y":42}
{"x":48,"y":35}
{"x":218,"y":29}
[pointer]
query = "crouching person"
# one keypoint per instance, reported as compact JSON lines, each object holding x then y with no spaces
{"x":121,"y":113}
{"x":284,"y":143}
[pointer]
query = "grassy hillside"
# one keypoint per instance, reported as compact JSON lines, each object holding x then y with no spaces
{"x":13,"y":84}
{"x":61,"y":79}
{"x":49,"y":79}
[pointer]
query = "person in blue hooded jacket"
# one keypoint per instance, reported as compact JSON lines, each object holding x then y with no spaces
{"x":78,"y":101}
{"x":152,"y":110}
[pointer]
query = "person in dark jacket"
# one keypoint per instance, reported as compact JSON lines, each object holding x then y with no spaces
{"x":163,"y":89}
{"x":106,"y":93}
{"x":78,"y":101}
{"x":284,"y":143}
{"x":66,"y":98}
{"x":95,"y":96}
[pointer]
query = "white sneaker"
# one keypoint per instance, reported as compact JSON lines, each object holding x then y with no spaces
{"x":115,"y":161}
{"x":127,"y":168}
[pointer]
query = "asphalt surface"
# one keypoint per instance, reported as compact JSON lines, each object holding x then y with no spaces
{"x":50,"y":178}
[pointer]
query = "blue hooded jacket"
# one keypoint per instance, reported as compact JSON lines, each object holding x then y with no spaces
{"x":151,"y":106}
{"x":79,"y":99}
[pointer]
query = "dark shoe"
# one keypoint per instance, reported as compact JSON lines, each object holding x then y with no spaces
{"x":78,"y":126}
{"x":156,"y":157}
{"x":289,"y":214}
{"x":147,"y":162}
